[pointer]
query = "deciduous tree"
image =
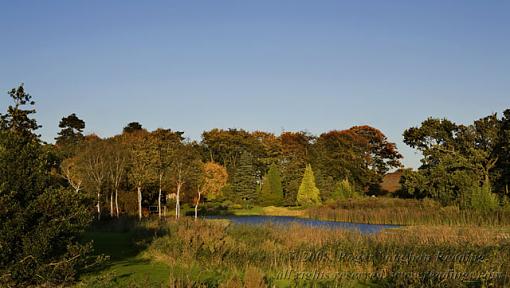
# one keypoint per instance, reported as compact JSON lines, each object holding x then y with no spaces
{"x":164,"y":142}
{"x":141,"y":156}
{"x":93,"y":164}
{"x":117,"y":157}
{"x":213,"y":177}
{"x":183,"y":168}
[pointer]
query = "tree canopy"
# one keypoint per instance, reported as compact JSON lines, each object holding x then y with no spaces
{"x":459,"y":161}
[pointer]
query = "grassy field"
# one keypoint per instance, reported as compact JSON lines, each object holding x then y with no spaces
{"x":206,"y":253}
{"x":215,"y":253}
{"x":127,"y":266}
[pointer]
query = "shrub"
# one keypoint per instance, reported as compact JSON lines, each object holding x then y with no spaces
{"x":482,"y":198}
{"x":344,"y":190}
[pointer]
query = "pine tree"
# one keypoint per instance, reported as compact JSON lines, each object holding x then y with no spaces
{"x":272,"y":192}
{"x":308,"y":193}
{"x":72,"y":130}
{"x":245,"y":184}
{"x":40,"y":221}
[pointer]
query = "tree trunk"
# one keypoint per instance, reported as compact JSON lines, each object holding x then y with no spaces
{"x":98,"y":205}
{"x":139,"y":202}
{"x":196,"y":205}
{"x":117,"y":202}
{"x":177,"y":202}
{"x":159,"y":196}
{"x":111,"y":205}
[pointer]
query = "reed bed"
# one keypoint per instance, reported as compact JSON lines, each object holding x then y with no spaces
{"x":216,"y":254}
{"x":406,"y":212}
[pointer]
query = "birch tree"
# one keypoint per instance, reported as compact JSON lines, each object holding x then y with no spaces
{"x":71,"y":172}
{"x":94,"y":166}
{"x":163,"y":142}
{"x":181,"y":170}
{"x":141,"y":156}
{"x":118,"y":158}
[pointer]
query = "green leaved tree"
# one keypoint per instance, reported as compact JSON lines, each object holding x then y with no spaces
{"x":40,"y":221}
{"x":308,"y":193}
{"x":272,"y":192}
{"x":245,"y":183}
{"x":344,"y":190}
{"x":482,"y":198}
{"x":72,"y":131}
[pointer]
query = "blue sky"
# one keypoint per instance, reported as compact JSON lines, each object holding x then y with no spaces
{"x":266,"y":65}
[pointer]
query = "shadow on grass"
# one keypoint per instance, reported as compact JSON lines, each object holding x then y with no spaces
{"x":122,"y":240}
{"x":211,"y":210}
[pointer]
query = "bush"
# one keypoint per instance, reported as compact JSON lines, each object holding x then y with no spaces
{"x":482,"y":198}
{"x":344,"y":190}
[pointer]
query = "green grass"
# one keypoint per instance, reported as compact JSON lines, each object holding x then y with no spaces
{"x":127,"y":267}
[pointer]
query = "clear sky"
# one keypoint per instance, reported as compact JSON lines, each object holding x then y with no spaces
{"x":266,"y":65}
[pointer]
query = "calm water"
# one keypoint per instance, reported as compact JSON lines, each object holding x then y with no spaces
{"x":286,"y":220}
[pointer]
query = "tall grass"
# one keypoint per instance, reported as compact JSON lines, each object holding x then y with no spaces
{"x":406,"y":212}
{"x":216,"y":254}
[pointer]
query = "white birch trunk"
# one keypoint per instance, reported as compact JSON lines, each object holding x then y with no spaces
{"x":140,"y":202}
{"x":111,"y":204}
{"x":196,"y":205}
{"x":177,"y":202}
{"x":98,"y":205}
{"x":117,"y":202}
{"x":159,"y":196}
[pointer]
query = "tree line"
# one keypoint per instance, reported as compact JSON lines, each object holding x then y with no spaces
{"x":463,"y":165}
{"x":232,"y":166}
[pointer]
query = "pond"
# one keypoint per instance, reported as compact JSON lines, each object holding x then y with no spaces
{"x":286,"y":220}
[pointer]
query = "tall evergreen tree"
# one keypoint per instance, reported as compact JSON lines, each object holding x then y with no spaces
{"x":272,"y":192}
{"x":295,"y":156}
{"x":40,"y":222}
{"x":308,"y":193}
{"x":72,"y":130}
{"x":245,"y":183}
